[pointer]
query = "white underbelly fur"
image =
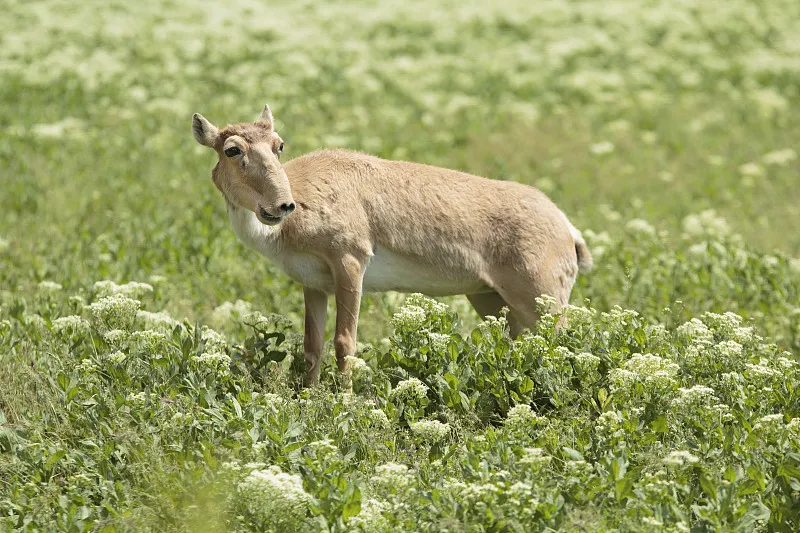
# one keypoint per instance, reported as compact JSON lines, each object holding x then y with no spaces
{"x":389,"y":271}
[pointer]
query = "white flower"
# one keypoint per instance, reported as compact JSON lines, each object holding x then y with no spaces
{"x":535,"y":458}
{"x":227,"y":313}
{"x":694,"y":397}
{"x":323,"y":448}
{"x":646,"y":366}
{"x":137,"y":399}
{"x":88,"y":366}
{"x":780,"y":157}
{"x":695,"y":330}
{"x":355,"y":363}
{"x":116,"y":357}
{"x":214,"y":361}
{"x":371,"y":517}
{"x":49,"y":286}
{"x":431,"y":307}
{"x":439,"y":341}
{"x":680,"y":458}
{"x":431,"y":431}
{"x":771,"y":427}
{"x":70,"y":325}
{"x":521,"y":418}
{"x":274,"y":498}
{"x":157,"y":320}
{"x":752,"y":170}
{"x":761,"y":371}
{"x":393,"y":477}
{"x":409,"y":318}
{"x":147,"y":339}
{"x":706,"y":223}
{"x":602,"y":148}
{"x":379,"y":418}
{"x":586,"y":363}
{"x":729,"y":350}
{"x":114,"y":312}
{"x":578,"y":316}
{"x":213,"y":341}
{"x":409,"y":390}
{"x":132,"y":289}
{"x":116,"y":337}
{"x":637,"y":225}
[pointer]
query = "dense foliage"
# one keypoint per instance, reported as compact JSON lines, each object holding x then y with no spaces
{"x":151,"y":367}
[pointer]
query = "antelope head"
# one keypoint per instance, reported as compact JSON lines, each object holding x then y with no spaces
{"x":248,"y":172}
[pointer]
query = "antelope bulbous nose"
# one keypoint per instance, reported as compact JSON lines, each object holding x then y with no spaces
{"x":287,"y":208}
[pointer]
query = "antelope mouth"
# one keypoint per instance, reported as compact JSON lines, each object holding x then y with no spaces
{"x":266,"y":218}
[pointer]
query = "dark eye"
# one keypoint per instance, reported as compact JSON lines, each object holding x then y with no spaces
{"x":280,"y":148}
{"x":232,"y":151}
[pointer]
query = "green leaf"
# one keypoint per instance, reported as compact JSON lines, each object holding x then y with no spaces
{"x":237,"y":408}
{"x":660,"y":425}
{"x":758,"y":512}
{"x":353,"y":505}
{"x":526,"y":386}
{"x":56,"y":457}
{"x":623,"y":488}
{"x":572,"y":453}
{"x":72,"y":393}
{"x":708,"y":485}
{"x":789,"y":470}
{"x":640,"y":337}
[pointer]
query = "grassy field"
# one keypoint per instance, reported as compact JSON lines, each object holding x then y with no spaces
{"x":150,"y":364}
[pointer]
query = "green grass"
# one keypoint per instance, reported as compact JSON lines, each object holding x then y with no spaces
{"x":101,"y":180}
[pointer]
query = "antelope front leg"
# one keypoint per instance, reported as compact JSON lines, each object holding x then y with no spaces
{"x":348,"y":276}
{"x":316,"y":303}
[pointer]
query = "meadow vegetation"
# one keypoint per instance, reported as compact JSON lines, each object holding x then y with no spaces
{"x":150,"y":366}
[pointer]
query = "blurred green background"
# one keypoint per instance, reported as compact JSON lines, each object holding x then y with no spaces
{"x":631,"y":109}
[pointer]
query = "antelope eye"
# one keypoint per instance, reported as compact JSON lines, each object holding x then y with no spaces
{"x":232,"y":151}
{"x":280,"y":148}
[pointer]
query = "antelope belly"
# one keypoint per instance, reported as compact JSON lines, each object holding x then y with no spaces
{"x":390,"y":271}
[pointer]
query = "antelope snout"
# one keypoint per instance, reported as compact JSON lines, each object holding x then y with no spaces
{"x":287,"y":208}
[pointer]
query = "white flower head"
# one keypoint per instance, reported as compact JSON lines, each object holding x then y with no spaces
{"x":439,"y":341}
{"x":431,"y":431}
{"x":114,"y":312}
{"x":410,"y":390}
{"x":216,"y":362}
{"x":379,"y":419}
{"x":393,"y":477}
{"x":689,"y":399}
{"x":160,"y":320}
{"x":602,"y":148}
{"x":641,"y":227}
{"x":132,"y":289}
{"x":49,"y":287}
{"x":522,"y":418}
{"x":705,"y":223}
{"x":680,"y":458}
{"x":409,"y":318}
{"x":232,"y":312}
{"x":780,"y":157}
{"x":70,"y":325}
{"x":274,"y":498}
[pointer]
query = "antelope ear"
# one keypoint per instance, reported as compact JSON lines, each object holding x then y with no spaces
{"x":204,"y":132}
{"x":265,"y":119}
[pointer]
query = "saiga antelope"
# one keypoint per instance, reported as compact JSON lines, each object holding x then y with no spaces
{"x":341,"y":222}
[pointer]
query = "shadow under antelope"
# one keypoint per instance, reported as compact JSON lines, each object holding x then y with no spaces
{"x":342,"y":222}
